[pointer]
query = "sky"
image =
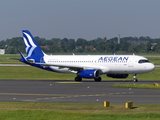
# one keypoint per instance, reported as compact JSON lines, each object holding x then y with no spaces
{"x":87,"y":19}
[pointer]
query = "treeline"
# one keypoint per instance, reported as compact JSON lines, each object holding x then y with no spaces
{"x":99,"y":45}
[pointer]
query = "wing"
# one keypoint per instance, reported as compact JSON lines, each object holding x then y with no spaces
{"x":71,"y":67}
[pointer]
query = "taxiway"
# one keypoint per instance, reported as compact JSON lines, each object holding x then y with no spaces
{"x":65,"y":91}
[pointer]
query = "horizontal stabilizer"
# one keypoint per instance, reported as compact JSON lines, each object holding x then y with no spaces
{"x":31,"y":61}
{"x":22,"y":59}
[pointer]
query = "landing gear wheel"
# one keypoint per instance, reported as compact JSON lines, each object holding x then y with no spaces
{"x":135,"y":80}
{"x":78,"y":79}
{"x":98,"y":79}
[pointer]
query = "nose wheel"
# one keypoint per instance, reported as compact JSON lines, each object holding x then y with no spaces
{"x":134,"y":78}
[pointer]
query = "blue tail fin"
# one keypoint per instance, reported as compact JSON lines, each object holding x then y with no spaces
{"x":32,"y":47}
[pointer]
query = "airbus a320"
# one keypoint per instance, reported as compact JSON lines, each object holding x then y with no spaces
{"x":85,"y":66}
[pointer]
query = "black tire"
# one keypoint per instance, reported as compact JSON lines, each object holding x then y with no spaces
{"x":78,"y":79}
{"x":98,"y":79}
{"x":135,"y":80}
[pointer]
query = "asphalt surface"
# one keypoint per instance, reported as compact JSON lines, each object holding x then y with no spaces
{"x":65,"y":91}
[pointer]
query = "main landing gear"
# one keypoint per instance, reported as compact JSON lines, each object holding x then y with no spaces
{"x":79,"y":79}
{"x":98,"y":79}
{"x":134,"y":78}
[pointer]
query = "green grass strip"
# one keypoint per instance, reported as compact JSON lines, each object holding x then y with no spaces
{"x":29,"y":72}
{"x":76,"y":111}
{"x":145,"y":86}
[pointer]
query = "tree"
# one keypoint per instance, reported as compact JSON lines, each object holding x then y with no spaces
{"x":71,"y":44}
{"x":11,"y":50}
{"x":81,"y":42}
{"x":63,"y":46}
{"x":55,"y":49}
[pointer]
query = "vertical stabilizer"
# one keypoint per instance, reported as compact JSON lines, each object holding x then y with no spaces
{"x":32,"y":47}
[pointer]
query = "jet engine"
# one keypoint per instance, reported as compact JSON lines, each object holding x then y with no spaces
{"x":89,"y":73}
{"x":118,"y":75}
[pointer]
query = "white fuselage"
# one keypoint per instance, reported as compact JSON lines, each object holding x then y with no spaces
{"x":108,"y":64}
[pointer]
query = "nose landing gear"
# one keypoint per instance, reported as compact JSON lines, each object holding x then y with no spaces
{"x":134,"y":78}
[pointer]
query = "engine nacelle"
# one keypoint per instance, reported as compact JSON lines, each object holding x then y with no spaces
{"x":118,"y":75}
{"x":89,"y":73}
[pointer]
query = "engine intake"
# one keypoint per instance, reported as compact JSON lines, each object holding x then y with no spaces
{"x":89,"y":73}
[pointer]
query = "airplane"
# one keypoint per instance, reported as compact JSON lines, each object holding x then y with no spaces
{"x":85,"y":66}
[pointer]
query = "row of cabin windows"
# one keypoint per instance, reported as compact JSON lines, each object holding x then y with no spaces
{"x":89,"y":61}
{"x":69,"y":61}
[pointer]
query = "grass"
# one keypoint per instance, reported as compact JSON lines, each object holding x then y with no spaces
{"x":145,"y":86}
{"x":29,"y":72}
{"x":76,"y":111}
{"x":5,"y":59}
{"x":155,"y":60}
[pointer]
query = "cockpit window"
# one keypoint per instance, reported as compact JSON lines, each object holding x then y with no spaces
{"x":143,"y":61}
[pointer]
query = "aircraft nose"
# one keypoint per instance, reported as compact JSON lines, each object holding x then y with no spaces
{"x":151,"y":67}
